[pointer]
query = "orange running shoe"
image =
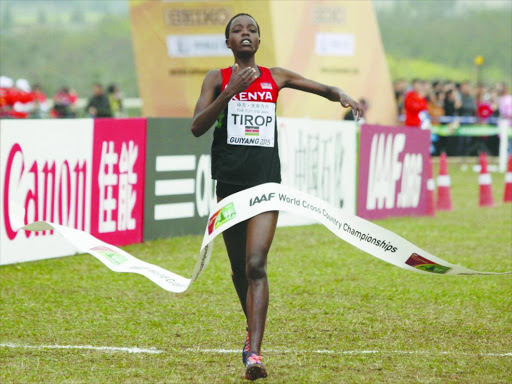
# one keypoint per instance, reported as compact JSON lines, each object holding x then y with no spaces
{"x":255,"y":368}
{"x":247,"y":344}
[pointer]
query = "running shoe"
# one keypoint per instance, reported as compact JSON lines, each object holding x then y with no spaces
{"x":255,"y":368}
{"x":247,"y":345}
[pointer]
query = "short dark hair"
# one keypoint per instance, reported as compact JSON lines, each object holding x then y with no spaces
{"x":226,"y":33}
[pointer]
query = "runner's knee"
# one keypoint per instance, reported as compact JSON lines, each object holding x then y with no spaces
{"x":256,"y":266}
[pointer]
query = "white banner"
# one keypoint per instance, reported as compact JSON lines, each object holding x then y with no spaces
{"x":368,"y":237}
{"x":318,"y":157}
{"x":45,"y":168}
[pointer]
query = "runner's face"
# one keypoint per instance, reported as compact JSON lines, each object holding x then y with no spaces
{"x":243,"y":36}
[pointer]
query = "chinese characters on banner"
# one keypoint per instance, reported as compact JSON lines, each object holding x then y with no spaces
{"x":117,"y":180}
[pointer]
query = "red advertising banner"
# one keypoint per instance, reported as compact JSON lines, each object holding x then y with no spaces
{"x":82,"y":173}
{"x":117,"y":195}
{"x":393,"y":164}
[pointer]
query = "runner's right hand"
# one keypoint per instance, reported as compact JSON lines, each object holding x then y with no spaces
{"x":240,"y":79}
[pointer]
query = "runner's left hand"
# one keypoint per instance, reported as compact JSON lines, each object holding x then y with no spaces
{"x":346,"y":102}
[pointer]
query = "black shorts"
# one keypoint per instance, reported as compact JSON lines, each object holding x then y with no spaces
{"x":224,"y":189}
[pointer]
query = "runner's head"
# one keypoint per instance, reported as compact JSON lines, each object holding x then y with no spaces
{"x":243,"y":35}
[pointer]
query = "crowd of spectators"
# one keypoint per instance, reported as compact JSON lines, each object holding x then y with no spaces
{"x":423,"y":103}
{"x":20,"y":100}
{"x":420,"y":105}
{"x":443,"y":102}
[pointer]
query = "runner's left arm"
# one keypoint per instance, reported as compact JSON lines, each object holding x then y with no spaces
{"x":288,"y":79}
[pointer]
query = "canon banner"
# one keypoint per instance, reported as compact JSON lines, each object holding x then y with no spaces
{"x":79,"y":173}
{"x":393,"y":165}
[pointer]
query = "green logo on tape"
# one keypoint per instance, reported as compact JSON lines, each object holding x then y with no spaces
{"x":112,"y":256}
{"x":227,"y":213}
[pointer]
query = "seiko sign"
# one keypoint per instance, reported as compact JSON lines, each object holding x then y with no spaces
{"x":328,"y":16}
{"x":197,"y":17}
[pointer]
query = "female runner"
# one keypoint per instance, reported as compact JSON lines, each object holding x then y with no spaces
{"x":241,"y":101}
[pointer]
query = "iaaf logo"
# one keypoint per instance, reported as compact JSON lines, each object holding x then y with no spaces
{"x":385,"y":170}
{"x":46,"y":190}
{"x":257,"y":200}
{"x":220,"y":217}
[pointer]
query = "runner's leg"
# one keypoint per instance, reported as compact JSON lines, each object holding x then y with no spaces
{"x":260,"y":233}
{"x":235,"y":240}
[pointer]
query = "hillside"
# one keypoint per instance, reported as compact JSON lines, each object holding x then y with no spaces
{"x":77,"y":43}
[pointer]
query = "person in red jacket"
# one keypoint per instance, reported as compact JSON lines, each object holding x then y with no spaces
{"x":414,"y":103}
{"x":6,"y":99}
{"x":23,"y":100}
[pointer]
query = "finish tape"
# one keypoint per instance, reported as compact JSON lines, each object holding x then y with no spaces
{"x":367,"y":236}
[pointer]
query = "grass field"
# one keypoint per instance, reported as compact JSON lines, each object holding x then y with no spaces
{"x":325,"y":296}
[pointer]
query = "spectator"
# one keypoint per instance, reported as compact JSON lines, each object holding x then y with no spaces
{"x":63,"y":103}
{"x":115,"y":99}
{"x":400,"y":88}
{"x":23,"y":100}
{"x":495,"y":99}
{"x":505,"y":108}
{"x":467,"y":109}
{"x":98,"y":105}
{"x":451,"y":103}
{"x":41,"y":106}
{"x":435,"y":106}
{"x":6,"y":97}
{"x":415,"y":103}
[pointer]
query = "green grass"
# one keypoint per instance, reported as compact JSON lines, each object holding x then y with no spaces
{"x":325,"y":295}
{"x":410,"y":68}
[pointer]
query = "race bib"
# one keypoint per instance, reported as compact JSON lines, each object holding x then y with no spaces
{"x":251,"y":123}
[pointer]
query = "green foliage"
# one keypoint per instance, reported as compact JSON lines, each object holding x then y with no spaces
{"x":55,"y":56}
{"x":42,"y":18}
{"x":324,"y":295}
{"x":76,"y":43}
{"x":6,"y":17}
{"x":428,"y":41}
{"x":410,"y":68}
{"x":78,"y":15}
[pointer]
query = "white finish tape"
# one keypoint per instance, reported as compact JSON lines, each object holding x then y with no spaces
{"x":367,"y":236}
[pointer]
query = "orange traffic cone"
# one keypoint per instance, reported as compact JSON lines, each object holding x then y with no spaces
{"x":507,"y":196}
{"x":431,"y":185}
{"x":485,"y":181}
{"x":444,"y":193}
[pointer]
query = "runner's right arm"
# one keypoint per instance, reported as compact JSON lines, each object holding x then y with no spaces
{"x":208,"y":106}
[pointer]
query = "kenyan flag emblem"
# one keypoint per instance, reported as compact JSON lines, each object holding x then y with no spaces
{"x":252,"y":131}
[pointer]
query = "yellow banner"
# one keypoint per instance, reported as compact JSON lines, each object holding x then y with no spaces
{"x":332,"y":42}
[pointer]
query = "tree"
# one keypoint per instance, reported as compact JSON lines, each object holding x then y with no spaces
{"x":42,"y":18}
{"x":77,"y":17}
{"x":7,"y":18}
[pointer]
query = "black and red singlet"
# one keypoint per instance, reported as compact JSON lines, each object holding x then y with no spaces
{"x":244,"y":149}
